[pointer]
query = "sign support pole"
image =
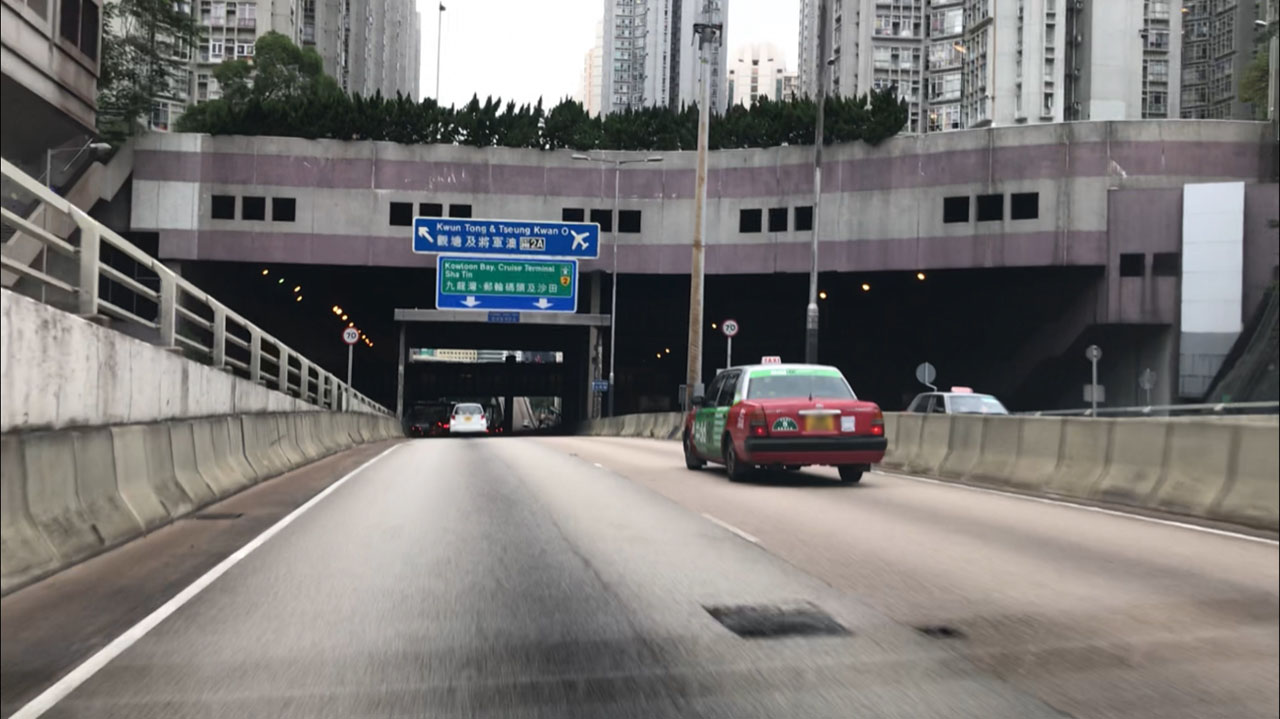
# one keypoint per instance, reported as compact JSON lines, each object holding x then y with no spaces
{"x":728,"y":360}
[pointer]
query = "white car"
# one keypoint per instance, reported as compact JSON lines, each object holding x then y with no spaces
{"x":960,"y":400}
{"x":468,"y":418}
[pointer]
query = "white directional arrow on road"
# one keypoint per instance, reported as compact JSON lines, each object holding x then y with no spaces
{"x":422,"y":232}
{"x":542,"y":303}
{"x":471,"y":302}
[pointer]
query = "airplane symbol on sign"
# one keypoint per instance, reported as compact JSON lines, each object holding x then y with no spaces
{"x":579,"y":239}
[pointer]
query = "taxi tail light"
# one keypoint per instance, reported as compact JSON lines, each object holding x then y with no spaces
{"x":759,"y":423}
{"x":877,"y":423}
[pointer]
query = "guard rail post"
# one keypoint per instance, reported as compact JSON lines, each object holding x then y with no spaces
{"x":219,"y":336}
{"x":90,"y":247}
{"x":282,"y":371}
{"x":167,"y":320}
{"x":255,"y":355}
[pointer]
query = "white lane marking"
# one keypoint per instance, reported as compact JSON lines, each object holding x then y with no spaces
{"x":1087,"y":508}
{"x":601,"y":466}
{"x":731,"y":528}
{"x":82,"y":673}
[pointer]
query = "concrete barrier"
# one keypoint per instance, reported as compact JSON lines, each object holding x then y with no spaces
{"x":935,"y":437}
{"x":95,"y":476}
{"x":999,"y":450}
{"x":1252,"y":494}
{"x":289,"y":441}
{"x":130,"y":445}
{"x":910,"y":427}
{"x":1136,"y":462}
{"x":304,"y":425}
{"x":891,"y":432}
{"x":1201,"y":458}
{"x":24,"y":552}
{"x":964,"y":446}
{"x":1083,"y":457}
{"x":262,"y":445}
{"x":161,"y":471}
{"x":185,"y":467}
{"x":228,"y":441}
{"x":52,"y":496}
{"x":1039,"y":449}
{"x":327,"y":433}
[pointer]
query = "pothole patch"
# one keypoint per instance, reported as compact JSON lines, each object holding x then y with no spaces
{"x":753,"y":621}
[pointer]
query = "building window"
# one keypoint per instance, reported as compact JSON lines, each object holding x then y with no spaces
{"x":78,"y":23}
{"x":1165,"y":264}
{"x":955,"y":209}
{"x":572,"y":214}
{"x":629,"y":221}
{"x":462,"y":211}
{"x":804,"y":218}
{"x":430,"y":209}
{"x":1133,"y":264}
{"x":283,"y":209}
{"x":749,"y":220}
{"x":253,"y":208}
{"x":604,"y":218}
{"x":401,"y":214}
{"x":990,"y":208}
{"x":223,"y":207}
{"x":1024,"y":205}
{"x":777,"y":219}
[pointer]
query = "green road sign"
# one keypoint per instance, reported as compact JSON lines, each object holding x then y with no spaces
{"x":506,"y":284}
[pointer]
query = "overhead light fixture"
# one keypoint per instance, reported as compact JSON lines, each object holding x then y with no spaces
{"x":297,"y":288}
{"x":298,"y":298}
{"x":280,"y":281}
{"x":866,"y":287}
{"x":265,"y":272}
{"x":920,"y":276}
{"x":822,"y":295}
{"x":351,"y":324}
{"x":344,"y":317}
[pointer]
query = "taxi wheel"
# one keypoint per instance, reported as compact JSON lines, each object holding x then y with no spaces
{"x":732,"y":466}
{"x":850,"y":474}
{"x":691,"y":460}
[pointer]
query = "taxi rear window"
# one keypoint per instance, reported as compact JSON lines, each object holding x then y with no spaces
{"x":783,"y":384}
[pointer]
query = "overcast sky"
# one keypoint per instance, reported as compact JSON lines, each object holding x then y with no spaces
{"x":525,"y":49}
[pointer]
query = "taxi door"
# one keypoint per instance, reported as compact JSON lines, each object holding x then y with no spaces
{"x":708,"y":427}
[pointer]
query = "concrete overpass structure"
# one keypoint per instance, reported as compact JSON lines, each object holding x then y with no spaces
{"x":1103,"y":198}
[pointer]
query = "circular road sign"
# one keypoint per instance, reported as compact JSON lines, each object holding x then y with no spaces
{"x":1147,"y":380}
{"x":1093,"y":353}
{"x":351,"y":335}
{"x":729,"y":327}
{"x":926,"y":373}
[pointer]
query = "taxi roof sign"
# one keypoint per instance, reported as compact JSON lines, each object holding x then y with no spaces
{"x":771,"y":359}
{"x":962,"y":390}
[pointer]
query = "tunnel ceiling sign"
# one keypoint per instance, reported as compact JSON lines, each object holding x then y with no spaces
{"x":518,"y":238}
{"x":506,"y":284}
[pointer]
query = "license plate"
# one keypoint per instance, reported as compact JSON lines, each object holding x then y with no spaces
{"x":820,"y":423}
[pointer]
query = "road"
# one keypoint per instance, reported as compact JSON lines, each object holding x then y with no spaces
{"x":571,"y":577}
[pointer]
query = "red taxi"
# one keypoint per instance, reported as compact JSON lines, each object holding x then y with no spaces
{"x":783,"y":415}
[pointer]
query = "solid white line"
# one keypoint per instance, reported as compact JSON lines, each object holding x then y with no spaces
{"x":731,"y":528}
{"x":81,"y":674}
{"x":601,"y":466}
{"x":1087,"y":508}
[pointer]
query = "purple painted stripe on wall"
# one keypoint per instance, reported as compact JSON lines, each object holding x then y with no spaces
{"x":1003,"y":164}
{"x":1030,"y":249}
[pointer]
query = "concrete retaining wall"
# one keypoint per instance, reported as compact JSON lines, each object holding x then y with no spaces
{"x":1213,"y":468}
{"x":69,"y":494}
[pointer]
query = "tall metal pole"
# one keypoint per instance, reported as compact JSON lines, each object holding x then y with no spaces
{"x":811,"y":312}
{"x":399,"y":377}
{"x":439,"y":29}
{"x":728,"y":354}
{"x":707,"y":36}
{"x":350,"y":352}
{"x":613,"y":290}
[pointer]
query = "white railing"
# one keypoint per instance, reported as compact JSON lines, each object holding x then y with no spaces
{"x":102,"y":275}
{"x":1171,"y":410}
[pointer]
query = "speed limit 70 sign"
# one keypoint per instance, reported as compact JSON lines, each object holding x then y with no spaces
{"x":351,"y":335}
{"x":729,"y":327}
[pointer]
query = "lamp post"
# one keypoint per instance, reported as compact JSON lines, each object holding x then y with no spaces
{"x":439,"y":32}
{"x":613,"y":290}
{"x":811,"y":311}
{"x":709,"y":38}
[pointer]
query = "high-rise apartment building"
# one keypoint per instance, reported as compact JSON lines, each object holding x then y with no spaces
{"x":651,"y":57}
{"x":367,"y":46}
{"x":1218,"y":43}
{"x":757,"y":71}
{"x":592,"y":87}
{"x":974,"y":63}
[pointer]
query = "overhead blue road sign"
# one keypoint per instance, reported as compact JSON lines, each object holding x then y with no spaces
{"x":506,"y":237}
{"x":599,"y":385}
{"x":506,"y":284}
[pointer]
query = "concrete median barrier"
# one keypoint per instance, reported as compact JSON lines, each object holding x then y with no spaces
{"x":130,"y":445}
{"x":1039,"y":450}
{"x":262,"y":445}
{"x":999,"y":450}
{"x":25,"y":555}
{"x":1136,"y":463}
{"x":964,"y":447}
{"x":185,"y":467}
{"x":161,"y":472}
{"x":910,"y":427}
{"x":228,"y":443}
{"x":891,"y":432}
{"x":935,"y":438}
{"x":1083,"y":458}
{"x":1252,"y":492}
{"x":289,"y":441}
{"x":1201,"y":457}
{"x":112,"y":519}
{"x":216,"y":470}
{"x":327,"y":433}
{"x":52,"y":496}
{"x":304,"y":424}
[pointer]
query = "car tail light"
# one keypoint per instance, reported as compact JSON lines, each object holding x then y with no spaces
{"x":759,"y":423}
{"x":877,"y":423}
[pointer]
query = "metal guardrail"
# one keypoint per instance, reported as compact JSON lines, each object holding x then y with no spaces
{"x":100,"y":274}
{"x":1171,"y":410}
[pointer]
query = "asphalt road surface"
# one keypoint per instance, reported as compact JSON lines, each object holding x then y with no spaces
{"x":546,"y":578}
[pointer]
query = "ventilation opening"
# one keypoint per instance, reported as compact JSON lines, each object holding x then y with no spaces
{"x":772,"y":622}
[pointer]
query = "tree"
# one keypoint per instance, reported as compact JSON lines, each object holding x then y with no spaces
{"x":145,"y":46}
{"x":1254,"y":83}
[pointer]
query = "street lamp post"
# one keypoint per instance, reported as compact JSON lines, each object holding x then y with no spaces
{"x":439,"y":32}
{"x":811,"y":312}
{"x":613,"y":290}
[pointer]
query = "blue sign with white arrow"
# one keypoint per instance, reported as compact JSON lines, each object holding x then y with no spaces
{"x":506,"y":284}
{"x":521,"y":238}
